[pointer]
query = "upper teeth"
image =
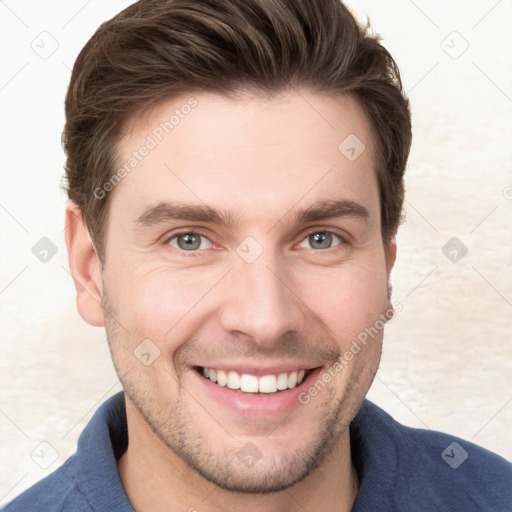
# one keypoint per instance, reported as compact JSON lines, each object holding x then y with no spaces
{"x":253,"y":384}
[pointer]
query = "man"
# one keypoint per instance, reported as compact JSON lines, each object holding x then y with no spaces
{"x":235,"y":175}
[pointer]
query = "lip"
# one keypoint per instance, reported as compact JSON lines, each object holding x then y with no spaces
{"x":254,"y":405}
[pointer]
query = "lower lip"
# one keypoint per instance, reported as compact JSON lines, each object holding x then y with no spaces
{"x":255,"y":404}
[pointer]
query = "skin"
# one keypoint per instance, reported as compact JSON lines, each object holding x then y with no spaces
{"x":263,"y":160}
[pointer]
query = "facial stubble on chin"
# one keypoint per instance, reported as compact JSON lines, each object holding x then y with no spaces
{"x":175,"y":427}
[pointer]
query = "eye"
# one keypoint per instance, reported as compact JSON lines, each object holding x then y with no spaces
{"x":321,"y":240}
{"x":190,"y":242}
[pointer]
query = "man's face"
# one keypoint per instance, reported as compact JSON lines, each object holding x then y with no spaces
{"x":267,"y":260}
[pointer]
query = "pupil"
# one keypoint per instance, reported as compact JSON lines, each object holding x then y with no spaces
{"x":320,"y":240}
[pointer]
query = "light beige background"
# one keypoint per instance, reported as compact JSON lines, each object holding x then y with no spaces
{"x":447,"y":356}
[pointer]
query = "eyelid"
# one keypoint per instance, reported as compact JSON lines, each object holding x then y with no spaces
{"x":342,"y":235}
{"x":194,"y":231}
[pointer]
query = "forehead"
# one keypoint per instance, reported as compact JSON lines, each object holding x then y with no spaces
{"x":250,"y":155}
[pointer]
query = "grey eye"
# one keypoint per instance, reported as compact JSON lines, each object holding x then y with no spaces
{"x":321,"y":240}
{"x":190,"y":242}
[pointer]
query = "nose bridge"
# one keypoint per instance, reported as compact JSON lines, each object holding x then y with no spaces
{"x":260,"y":304}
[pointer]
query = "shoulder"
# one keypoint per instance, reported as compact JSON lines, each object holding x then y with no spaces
{"x":429,"y":470}
{"x":59,"y":491}
{"x":89,"y":479}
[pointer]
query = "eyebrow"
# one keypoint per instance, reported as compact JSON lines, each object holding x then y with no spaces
{"x":162,"y":212}
{"x":332,"y":209}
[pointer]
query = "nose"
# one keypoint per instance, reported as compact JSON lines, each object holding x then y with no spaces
{"x":261,"y":303}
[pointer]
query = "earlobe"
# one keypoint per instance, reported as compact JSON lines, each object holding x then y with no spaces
{"x":85,"y":267}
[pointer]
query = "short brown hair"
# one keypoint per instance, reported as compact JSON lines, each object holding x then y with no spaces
{"x":159,"y":49}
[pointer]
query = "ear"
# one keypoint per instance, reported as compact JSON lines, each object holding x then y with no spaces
{"x":85,"y":267}
{"x":391,"y":255}
{"x":390,"y":262}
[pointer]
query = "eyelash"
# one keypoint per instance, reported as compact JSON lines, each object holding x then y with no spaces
{"x":342,"y":237}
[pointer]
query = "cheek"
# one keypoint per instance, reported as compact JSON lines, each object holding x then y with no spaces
{"x":162,"y":302}
{"x":349,"y":301}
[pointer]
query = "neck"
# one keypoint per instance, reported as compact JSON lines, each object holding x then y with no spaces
{"x":156,"y":479}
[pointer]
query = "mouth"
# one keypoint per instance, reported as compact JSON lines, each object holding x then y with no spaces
{"x":245,"y":383}
{"x":253,"y":392}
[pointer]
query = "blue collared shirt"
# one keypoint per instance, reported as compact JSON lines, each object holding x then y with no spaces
{"x":399,"y":469}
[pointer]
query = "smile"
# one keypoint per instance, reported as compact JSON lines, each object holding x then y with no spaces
{"x":246,"y":383}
